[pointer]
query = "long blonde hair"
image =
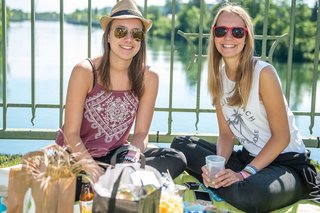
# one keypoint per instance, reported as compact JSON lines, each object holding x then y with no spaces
{"x":246,"y":63}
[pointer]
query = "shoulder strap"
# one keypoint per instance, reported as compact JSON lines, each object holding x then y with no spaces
{"x":112,"y":201}
{"x":93,"y":71}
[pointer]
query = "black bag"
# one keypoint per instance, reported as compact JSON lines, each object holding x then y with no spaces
{"x":147,"y":204}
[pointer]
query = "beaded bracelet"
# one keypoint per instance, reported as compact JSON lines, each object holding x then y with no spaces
{"x":250,"y":169}
{"x":131,"y":156}
{"x":130,"y":159}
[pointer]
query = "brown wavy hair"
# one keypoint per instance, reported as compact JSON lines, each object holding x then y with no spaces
{"x":246,"y":63}
{"x":136,"y":68}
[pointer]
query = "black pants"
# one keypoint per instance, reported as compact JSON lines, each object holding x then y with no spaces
{"x":288,"y":179}
{"x":163,"y":159}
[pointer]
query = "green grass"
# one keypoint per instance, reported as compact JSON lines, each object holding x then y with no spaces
{"x":7,"y":160}
{"x":317,"y":165}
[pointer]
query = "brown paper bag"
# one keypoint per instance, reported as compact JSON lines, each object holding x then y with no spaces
{"x":57,"y":197}
{"x":54,"y":195}
{"x":19,"y":183}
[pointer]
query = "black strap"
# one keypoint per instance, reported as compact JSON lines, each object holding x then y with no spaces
{"x":93,"y":71}
{"x":126,"y":12}
{"x":112,"y":201}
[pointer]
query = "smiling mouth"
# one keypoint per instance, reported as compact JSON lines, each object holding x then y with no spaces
{"x":126,"y":47}
{"x":228,"y":45}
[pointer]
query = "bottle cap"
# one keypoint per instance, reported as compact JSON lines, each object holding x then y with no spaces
{"x":85,"y":179}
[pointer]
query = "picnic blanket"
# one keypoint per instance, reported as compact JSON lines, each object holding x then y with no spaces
{"x":299,"y":206}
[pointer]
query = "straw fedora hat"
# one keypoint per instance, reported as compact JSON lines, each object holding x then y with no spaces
{"x":125,"y":9}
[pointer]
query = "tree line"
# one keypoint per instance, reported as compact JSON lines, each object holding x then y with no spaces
{"x":188,"y":16}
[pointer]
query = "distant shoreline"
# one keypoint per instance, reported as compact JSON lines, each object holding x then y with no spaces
{"x":75,"y":22}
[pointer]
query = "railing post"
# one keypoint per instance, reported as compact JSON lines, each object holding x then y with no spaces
{"x":265,"y":31}
{"x":89,"y":27}
{"x":173,"y":18}
{"x":33,"y":82}
{"x":4,"y":64}
{"x":290,"y":51}
{"x":61,"y":64}
{"x":315,"y":74}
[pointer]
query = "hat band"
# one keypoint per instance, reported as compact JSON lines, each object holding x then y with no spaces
{"x":125,"y":12}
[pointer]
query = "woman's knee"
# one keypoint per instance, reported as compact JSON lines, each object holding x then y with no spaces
{"x":178,"y":161}
{"x":246,"y":200}
{"x":179,"y":157}
{"x":178,"y":142}
{"x":257,"y":197}
{"x":182,"y":142}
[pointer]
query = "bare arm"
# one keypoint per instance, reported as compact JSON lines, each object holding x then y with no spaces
{"x":273,"y":100}
{"x":145,"y":111}
{"x":225,"y":146}
{"x":225,"y":141}
{"x":80,"y":84}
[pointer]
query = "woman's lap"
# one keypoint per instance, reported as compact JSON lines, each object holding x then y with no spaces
{"x":162,"y":159}
{"x":271,"y":188}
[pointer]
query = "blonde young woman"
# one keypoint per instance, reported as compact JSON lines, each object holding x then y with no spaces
{"x":273,"y":169}
{"x":108,"y":93}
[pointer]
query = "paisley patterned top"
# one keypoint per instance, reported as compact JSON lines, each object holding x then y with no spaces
{"x":107,"y":120}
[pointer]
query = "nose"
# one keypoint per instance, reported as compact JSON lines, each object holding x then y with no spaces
{"x":229,"y":34}
{"x":128,"y":36}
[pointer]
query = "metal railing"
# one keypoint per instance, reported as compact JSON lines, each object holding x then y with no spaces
{"x":196,"y":55}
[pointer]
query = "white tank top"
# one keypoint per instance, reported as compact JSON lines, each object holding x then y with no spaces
{"x":250,"y":125}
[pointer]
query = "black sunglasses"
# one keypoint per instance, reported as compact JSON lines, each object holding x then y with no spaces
{"x":221,"y":31}
{"x":120,"y":32}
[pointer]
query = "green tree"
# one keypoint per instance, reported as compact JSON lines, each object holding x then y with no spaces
{"x":314,"y":12}
{"x":17,"y":15}
{"x":189,"y":18}
{"x":196,"y":3}
{"x":163,"y":29}
{"x":278,"y":24}
{"x":305,"y":31}
{"x":154,"y":14}
{"x":167,"y":9}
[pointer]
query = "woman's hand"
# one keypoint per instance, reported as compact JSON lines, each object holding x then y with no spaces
{"x":223,"y":178}
{"x":93,"y":169}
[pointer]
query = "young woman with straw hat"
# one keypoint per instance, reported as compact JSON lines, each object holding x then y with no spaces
{"x":107,"y":94}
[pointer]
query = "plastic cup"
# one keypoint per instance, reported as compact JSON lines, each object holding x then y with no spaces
{"x":214,"y":164}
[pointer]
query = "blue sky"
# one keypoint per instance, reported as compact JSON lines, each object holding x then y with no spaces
{"x":71,"y":5}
